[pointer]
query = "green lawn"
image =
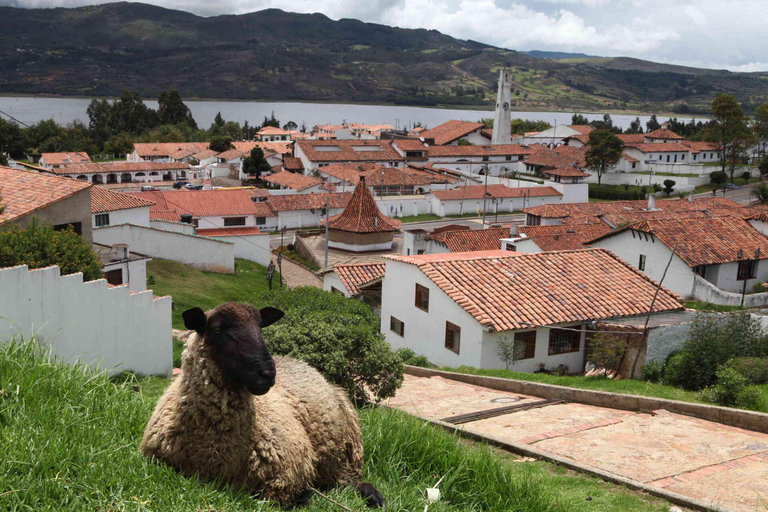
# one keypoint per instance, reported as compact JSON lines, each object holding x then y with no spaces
{"x":681,"y":175}
{"x":191,"y":288}
{"x":625,"y":386}
{"x":707,"y":306}
{"x":70,"y":443}
{"x":419,"y":218}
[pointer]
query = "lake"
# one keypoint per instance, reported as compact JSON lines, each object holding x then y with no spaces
{"x":30,"y":110}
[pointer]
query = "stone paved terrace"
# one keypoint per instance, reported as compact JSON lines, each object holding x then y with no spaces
{"x":715,"y":463}
{"x":316,"y":245}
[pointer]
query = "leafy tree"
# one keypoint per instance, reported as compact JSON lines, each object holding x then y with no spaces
{"x":12,"y":139}
{"x":524,"y":125}
{"x":718,"y":177}
{"x":669,"y":186}
{"x":256,"y":164}
{"x":463,"y":142}
{"x":635,"y":126}
{"x":761,"y":192}
{"x":652,"y":124}
{"x":172,"y":110}
{"x":763,"y":167}
{"x":760,"y":128}
{"x":730,"y":130}
{"x":218,"y":120}
{"x":579,"y":119}
{"x":3,"y":159}
{"x":505,"y":349}
{"x":271,"y":121}
{"x":221,"y":143}
{"x":163,"y":133}
{"x":336,"y":335}
{"x":290,"y":125}
{"x":119,"y":144}
{"x":39,"y":246}
{"x":608,"y":350}
{"x":606,"y":124}
{"x":130,"y":114}
{"x":604,"y":151}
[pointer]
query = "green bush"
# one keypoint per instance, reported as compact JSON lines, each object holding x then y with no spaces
{"x":338,"y":336}
{"x":39,"y":245}
{"x":669,"y":186}
{"x":732,"y":390}
{"x":408,"y":356}
{"x":614,"y":194}
{"x":718,"y":177}
{"x":754,"y":369}
{"x":746,"y":175}
{"x":652,"y":371}
{"x":713,"y":341}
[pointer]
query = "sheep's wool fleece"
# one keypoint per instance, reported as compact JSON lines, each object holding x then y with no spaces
{"x":303,"y":432}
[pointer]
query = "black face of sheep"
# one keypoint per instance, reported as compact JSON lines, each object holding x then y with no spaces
{"x":233,"y":331}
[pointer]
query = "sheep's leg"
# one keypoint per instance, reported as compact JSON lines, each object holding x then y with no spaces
{"x":372,"y":496}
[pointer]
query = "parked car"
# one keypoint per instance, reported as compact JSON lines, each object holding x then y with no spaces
{"x":179,"y":184}
{"x":147,"y":188}
{"x":192,"y":186}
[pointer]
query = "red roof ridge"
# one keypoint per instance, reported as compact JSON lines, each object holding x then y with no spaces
{"x":362,"y":215}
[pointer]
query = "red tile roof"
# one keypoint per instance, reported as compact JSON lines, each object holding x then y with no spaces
{"x":120,"y":167}
{"x":279,"y":147}
{"x":375,"y":175}
{"x":66,"y":158}
{"x":663,"y":133}
{"x":362,"y":215}
{"x":548,"y":158}
{"x":557,"y":211}
{"x":469,"y":151}
{"x":293,"y":180}
{"x":25,"y":192}
{"x":354,"y":275}
{"x":203,"y":203}
{"x":562,"y":237}
{"x":505,"y":290}
{"x":166,"y":149}
{"x":584,"y":129}
{"x":245,"y":231}
{"x":465,"y":240}
{"x":291,"y":163}
{"x":345,"y":150}
{"x":410,"y":145}
{"x":104,"y":200}
{"x":230,"y":154}
{"x":704,"y":240}
{"x":631,"y":138}
{"x":496,"y":191}
{"x":566,"y":172}
{"x":450,"y":131}
{"x":272,"y":130}
{"x":293,"y":202}
{"x":205,"y":154}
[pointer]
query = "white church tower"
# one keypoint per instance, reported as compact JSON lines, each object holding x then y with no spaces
{"x":502,"y":120}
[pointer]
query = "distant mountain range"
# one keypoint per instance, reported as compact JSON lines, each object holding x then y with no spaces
{"x":275,"y":55}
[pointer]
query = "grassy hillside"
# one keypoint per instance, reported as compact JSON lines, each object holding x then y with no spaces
{"x":275,"y":55}
{"x":69,"y":442}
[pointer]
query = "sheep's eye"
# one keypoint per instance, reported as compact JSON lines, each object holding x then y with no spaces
{"x":216,"y":330}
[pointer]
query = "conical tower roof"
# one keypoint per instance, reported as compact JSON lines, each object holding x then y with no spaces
{"x":362,"y":215}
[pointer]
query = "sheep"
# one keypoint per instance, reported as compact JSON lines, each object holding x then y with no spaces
{"x":238,"y":415}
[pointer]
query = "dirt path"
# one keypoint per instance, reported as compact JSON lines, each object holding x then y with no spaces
{"x":296,"y":275}
{"x":708,"y":461}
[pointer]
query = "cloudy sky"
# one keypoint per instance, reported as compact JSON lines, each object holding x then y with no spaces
{"x":723,"y":34}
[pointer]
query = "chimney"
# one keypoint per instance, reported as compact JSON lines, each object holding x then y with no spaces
{"x":186,"y":218}
{"x":651,"y":203}
{"x":119,"y":252}
{"x":690,"y":197}
{"x":514,"y":230}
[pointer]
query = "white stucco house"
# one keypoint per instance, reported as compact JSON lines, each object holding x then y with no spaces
{"x":109,"y":208}
{"x":531,"y":239}
{"x":455,"y":308}
{"x":495,"y":199}
{"x":726,"y":251}
{"x":451,"y":132}
{"x":306,"y":210}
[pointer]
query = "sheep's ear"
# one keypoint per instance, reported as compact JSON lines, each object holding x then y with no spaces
{"x":270,"y":316}
{"x":194,"y":319}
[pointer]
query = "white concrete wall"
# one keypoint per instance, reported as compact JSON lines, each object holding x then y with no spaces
{"x":89,"y":322}
{"x":525,"y":245}
{"x":727,"y":273}
{"x":404,"y":206}
{"x":504,"y":205}
{"x":679,"y":278}
{"x":197,"y":251}
{"x":218,"y":222}
{"x":303,"y":218}
{"x":250,"y":247}
{"x":573,"y":360}
{"x":760,"y":226}
{"x":496,"y":164}
{"x":134,"y":273}
{"x":647,"y":180}
{"x":331,"y":280}
{"x":663,"y":341}
{"x":177,"y":227}
{"x":425,"y":332}
{"x":138,"y":216}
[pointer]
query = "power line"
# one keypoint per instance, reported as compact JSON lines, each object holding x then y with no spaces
{"x":13,"y":118}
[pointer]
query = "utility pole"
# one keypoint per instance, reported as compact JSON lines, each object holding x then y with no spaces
{"x":485,"y":192}
{"x":327,"y":217}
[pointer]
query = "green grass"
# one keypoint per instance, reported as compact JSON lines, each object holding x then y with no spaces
{"x":681,"y":175}
{"x":624,"y":386}
{"x":707,"y":306}
{"x":419,"y":218}
{"x":191,"y":288}
{"x":69,"y":442}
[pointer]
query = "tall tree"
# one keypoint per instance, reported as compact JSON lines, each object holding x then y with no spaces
{"x":760,"y":128}
{"x":271,"y":121}
{"x":730,"y":129}
{"x":652,"y":124}
{"x":290,"y":125}
{"x":218,"y":120}
{"x":604,"y":151}
{"x":579,"y":119}
{"x":130,"y":114}
{"x":256,"y":163}
{"x":172,"y":110}
{"x":635,"y":126}
{"x":221,"y":143}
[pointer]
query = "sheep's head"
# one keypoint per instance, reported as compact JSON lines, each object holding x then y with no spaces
{"x":233,"y":334}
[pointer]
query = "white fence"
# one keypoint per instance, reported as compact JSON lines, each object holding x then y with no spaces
{"x":176,"y":227}
{"x":704,"y":291}
{"x":200,"y":252}
{"x":88,"y":322}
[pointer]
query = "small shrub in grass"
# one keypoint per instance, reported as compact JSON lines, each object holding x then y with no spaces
{"x":652,"y":371}
{"x":732,"y":390}
{"x":745,"y":176}
{"x":754,"y":369}
{"x":408,"y":356}
{"x":718,"y":177}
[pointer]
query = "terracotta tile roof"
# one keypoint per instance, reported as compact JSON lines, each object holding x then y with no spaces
{"x":450,"y":131}
{"x":469,"y":151}
{"x":293,"y":180}
{"x":432,"y":174}
{"x":269,"y":147}
{"x":704,"y":240}
{"x":120,"y":167}
{"x":258,"y":192}
{"x":66,"y":158}
{"x":663,"y":133}
{"x":496,"y":191}
{"x":205,"y":154}
{"x":354,"y":275}
{"x":182,"y":153}
{"x":165,"y":149}
{"x":545,"y":157}
{"x":362,"y":215}
{"x":293,"y":202}
{"x":375,"y":175}
{"x":410,"y":145}
{"x":104,"y":200}
{"x":631,"y":138}
{"x":678,"y":147}
{"x":203,"y":203}
{"x":698,"y":147}
{"x":577,"y":155}
{"x":272,"y":130}
{"x":291,"y":163}
{"x":25,"y":192}
{"x":230,"y":154}
{"x":566,"y":172}
{"x":245,"y":231}
{"x":343,"y":150}
{"x":465,"y":240}
{"x":557,"y":211}
{"x":563,"y":238}
{"x":584,"y":129}
{"x":630,"y":159}
{"x":505,"y":290}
